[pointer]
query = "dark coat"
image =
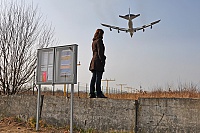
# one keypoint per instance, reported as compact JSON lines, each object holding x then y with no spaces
{"x":98,"y":60}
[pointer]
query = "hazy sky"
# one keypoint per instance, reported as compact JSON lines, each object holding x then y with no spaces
{"x":165,"y":55}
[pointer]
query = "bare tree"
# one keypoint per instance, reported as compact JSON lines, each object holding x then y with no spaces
{"x":22,"y":32}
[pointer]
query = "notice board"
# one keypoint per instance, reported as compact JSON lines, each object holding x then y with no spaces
{"x":57,"y":65}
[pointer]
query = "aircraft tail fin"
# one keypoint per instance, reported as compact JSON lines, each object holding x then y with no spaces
{"x":129,"y":16}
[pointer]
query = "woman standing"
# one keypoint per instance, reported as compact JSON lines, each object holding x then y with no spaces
{"x":97,"y":64}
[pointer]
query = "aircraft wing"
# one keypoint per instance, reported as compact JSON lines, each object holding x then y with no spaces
{"x":115,"y":27}
{"x":145,"y":26}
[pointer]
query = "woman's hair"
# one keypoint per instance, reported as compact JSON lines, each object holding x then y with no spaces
{"x":98,"y":34}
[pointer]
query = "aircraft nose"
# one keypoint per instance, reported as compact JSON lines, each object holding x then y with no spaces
{"x":131,"y":35}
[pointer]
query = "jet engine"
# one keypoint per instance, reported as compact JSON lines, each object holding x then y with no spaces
{"x":151,"y":26}
{"x":118,"y":31}
{"x":143,"y":27}
{"x":110,"y":29}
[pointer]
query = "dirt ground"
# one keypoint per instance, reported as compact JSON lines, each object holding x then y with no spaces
{"x":12,"y":125}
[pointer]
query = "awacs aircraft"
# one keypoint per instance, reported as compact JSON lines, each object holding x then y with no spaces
{"x":130,"y":28}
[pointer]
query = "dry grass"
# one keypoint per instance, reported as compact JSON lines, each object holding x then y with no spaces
{"x":135,"y":96}
{"x":155,"y":94}
{"x":182,"y":91}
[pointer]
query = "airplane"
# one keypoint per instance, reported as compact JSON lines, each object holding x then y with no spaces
{"x":130,"y":28}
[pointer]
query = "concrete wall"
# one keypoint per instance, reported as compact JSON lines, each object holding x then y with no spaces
{"x":169,"y":116}
{"x":23,"y":106}
{"x":153,"y":116}
{"x":100,"y":114}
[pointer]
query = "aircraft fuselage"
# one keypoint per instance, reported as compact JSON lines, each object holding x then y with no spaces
{"x":130,"y":25}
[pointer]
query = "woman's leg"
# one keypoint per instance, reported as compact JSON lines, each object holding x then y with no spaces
{"x":98,"y":82}
{"x":92,"y":83}
{"x":98,"y":85}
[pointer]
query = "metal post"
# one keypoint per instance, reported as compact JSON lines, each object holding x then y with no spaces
{"x":38,"y":107}
{"x":65,"y":90}
{"x":78,"y":89}
{"x":53,"y":89}
{"x":71,"y":113}
{"x":107,"y":80}
{"x":121,"y":86}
